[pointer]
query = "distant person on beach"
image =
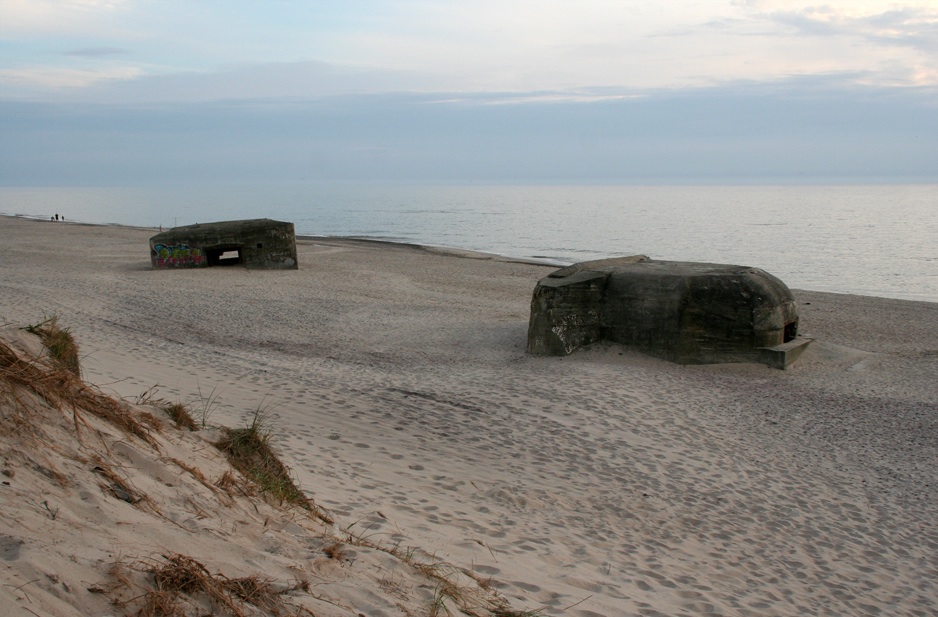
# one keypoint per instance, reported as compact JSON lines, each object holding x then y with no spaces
{"x":56,"y":217}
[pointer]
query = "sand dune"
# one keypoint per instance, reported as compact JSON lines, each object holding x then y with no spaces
{"x":109,"y":509}
{"x":604,"y":483}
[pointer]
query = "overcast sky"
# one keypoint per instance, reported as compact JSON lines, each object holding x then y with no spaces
{"x":142,"y":91}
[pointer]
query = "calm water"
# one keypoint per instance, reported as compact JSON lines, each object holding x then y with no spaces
{"x":879,"y":240}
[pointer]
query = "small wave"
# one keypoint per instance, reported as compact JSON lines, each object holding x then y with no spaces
{"x":35,"y":217}
{"x":551,"y":260}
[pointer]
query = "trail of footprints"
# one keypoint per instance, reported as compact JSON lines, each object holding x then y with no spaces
{"x":631,"y":485}
{"x":540,"y":465}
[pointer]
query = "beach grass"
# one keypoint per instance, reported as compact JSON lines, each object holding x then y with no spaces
{"x":181,"y":416}
{"x":249,"y":451}
{"x":60,"y":344}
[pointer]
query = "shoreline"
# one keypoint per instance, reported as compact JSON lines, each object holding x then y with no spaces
{"x":607,"y":481}
{"x":454,"y":251}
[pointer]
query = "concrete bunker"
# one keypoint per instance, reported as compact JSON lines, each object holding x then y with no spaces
{"x":254,"y":243}
{"x":684,"y":312}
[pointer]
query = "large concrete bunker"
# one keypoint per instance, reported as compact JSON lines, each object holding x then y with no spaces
{"x":684,"y":312}
{"x":254,"y":243}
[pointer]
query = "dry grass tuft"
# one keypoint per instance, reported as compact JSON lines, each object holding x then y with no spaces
{"x":182,"y":574}
{"x":61,"y":345}
{"x":221,"y":492}
{"x":61,"y":387}
{"x":15,"y":413}
{"x":181,"y":584}
{"x":257,"y":592}
{"x":179,"y":413}
{"x":114,"y":484}
{"x":148,"y":603}
{"x":160,"y":604}
{"x":249,"y":451}
{"x":513,"y":613}
{"x":231,"y":485}
{"x":457,"y":591}
{"x":181,"y":416}
{"x":334,"y":551}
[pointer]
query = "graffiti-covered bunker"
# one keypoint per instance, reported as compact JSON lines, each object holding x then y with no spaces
{"x":255,"y":243}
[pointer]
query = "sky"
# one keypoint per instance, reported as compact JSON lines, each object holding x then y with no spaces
{"x":114,"y":92}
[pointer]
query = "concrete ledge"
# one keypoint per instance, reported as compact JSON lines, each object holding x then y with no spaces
{"x":782,"y":356}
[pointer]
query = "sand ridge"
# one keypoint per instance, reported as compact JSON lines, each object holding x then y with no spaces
{"x":604,"y":483}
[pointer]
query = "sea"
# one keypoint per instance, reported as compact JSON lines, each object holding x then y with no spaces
{"x":874,"y":240}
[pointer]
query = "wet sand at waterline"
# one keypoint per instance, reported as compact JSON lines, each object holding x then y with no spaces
{"x":602,"y":483}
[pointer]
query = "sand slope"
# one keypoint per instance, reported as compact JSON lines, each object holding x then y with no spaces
{"x":604,"y":483}
{"x":99,"y":519}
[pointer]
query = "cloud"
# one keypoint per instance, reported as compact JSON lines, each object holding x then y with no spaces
{"x":910,"y":27}
{"x":284,"y":80}
{"x":245,"y":50}
{"x":96,"y":52}
{"x":54,"y":78}
{"x":894,"y":47}
{"x":22,"y":18}
{"x":917,"y":29}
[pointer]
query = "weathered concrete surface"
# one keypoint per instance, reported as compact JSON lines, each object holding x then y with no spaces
{"x":255,"y":243}
{"x":689,"y":313}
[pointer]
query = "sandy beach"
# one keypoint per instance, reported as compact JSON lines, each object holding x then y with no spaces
{"x":602,"y":484}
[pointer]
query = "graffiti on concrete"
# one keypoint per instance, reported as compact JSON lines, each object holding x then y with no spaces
{"x":179,"y":256}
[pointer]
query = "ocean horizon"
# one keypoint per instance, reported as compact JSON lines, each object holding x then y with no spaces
{"x":875,"y":240}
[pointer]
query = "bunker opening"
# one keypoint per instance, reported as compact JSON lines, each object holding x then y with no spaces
{"x":224,"y":256}
{"x":791,"y":332}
